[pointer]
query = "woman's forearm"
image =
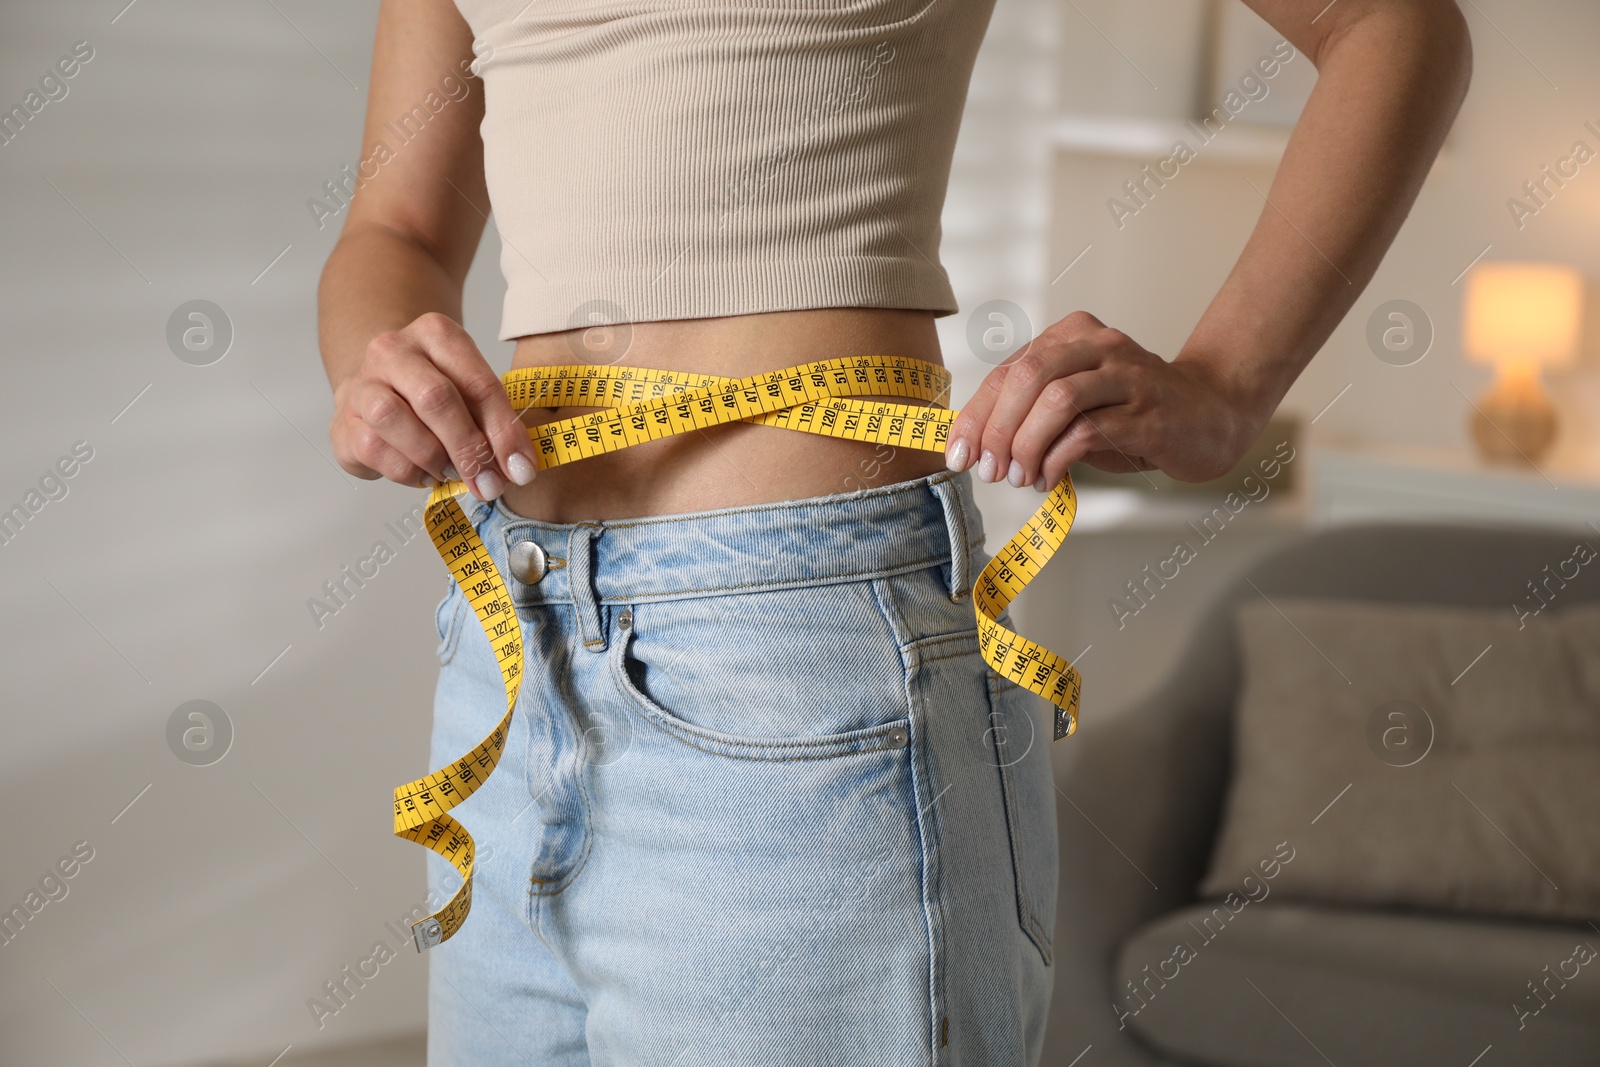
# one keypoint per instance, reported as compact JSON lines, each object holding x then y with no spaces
{"x":376,"y":280}
{"x":1392,"y":74}
{"x":1389,"y":85}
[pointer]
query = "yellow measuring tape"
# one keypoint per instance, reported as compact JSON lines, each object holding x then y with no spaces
{"x":646,"y":405}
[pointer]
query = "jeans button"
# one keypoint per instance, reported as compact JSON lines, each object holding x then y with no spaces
{"x":527,"y":561}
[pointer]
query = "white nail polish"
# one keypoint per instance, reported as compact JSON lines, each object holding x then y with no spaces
{"x":986,"y":467}
{"x":956,"y":456}
{"x":451,"y":474}
{"x":489,"y":485}
{"x":1039,"y":485}
{"x":522,"y":470}
{"x":1015,"y":474}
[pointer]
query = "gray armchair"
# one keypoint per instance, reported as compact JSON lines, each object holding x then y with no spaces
{"x":1141,"y":797}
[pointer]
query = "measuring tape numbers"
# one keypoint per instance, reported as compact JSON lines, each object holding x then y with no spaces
{"x":640,"y":405}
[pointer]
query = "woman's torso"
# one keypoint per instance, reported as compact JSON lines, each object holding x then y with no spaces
{"x":675,"y":166}
{"x":733,"y":464}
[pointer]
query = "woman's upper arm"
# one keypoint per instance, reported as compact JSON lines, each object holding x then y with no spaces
{"x":1310,"y":27}
{"x":421,"y":166}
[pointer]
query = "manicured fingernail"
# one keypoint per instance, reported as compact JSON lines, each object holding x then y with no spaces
{"x":1039,"y":485}
{"x":986,"y":467}
{"x":955,"y":457}
{"x":521,"y":468}
{"x":451,"y":474}
{"x":490,"y":485}
{"x":1016,"y":474}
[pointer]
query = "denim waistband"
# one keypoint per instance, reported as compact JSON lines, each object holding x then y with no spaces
{"x":891,"y":529}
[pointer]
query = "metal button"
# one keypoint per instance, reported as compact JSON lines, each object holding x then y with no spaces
{"x":527,"y":561}
{"x":625,"y":620}
{"x":427,"y":934}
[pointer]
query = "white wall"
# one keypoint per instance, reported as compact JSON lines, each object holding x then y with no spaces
{"x":179,"y":564}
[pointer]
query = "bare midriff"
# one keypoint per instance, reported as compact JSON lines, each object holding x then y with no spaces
{"x":736,"y":463}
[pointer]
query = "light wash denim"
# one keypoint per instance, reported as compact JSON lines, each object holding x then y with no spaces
{"x":763,"y":803}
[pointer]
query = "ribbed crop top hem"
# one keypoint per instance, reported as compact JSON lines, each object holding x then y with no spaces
{"x":708,"y":290}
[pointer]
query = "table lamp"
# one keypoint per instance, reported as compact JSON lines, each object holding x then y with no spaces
{"x":1520,"y":317}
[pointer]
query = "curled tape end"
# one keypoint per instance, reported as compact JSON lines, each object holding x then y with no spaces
{"x":427,"y":933}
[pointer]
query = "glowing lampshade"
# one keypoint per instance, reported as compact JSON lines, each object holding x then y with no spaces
{"x":1523,"y":313}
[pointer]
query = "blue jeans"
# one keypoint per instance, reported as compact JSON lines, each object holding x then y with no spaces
{"x":762,"y":802}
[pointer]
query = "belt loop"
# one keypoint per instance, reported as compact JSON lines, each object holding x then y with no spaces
{"x":948,"y":490}
{"x":580,"y":583}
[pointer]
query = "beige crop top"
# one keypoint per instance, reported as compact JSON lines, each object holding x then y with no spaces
{"x":673,"y":159}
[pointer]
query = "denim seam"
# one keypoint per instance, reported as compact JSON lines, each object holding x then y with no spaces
{"x":763,"y":586}
{"x":689,"y":736}
{"x":553,"y":886}
{"x":557,"y":885}
{"x":1029,"y":924}
{"x":955,"y":513}
{"x":451,"y":641}
{"x":550,"y":887}
{"x":892,"y":616}
{"x":946,"y":655}
{"x":911,"y":649}
{"x":954,"y":635}
{"x":831,"y":579}
{"x":926,"y":816}
{"x":748,"y":587}
{"x":928,"y":832}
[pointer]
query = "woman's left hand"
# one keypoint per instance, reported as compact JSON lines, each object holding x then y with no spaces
{"x":1082,"y":391}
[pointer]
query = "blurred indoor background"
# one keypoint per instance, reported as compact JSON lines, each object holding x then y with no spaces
{"x":227,"y":871}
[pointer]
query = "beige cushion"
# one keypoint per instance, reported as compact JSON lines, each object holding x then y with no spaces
{"x":1500,"y":814}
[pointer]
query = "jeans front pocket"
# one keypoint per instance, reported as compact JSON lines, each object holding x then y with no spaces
{"x":798,"y":674}
{"x":1021,"y":750}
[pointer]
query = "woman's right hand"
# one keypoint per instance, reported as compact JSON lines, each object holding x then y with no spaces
{"x":425,"y":407}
